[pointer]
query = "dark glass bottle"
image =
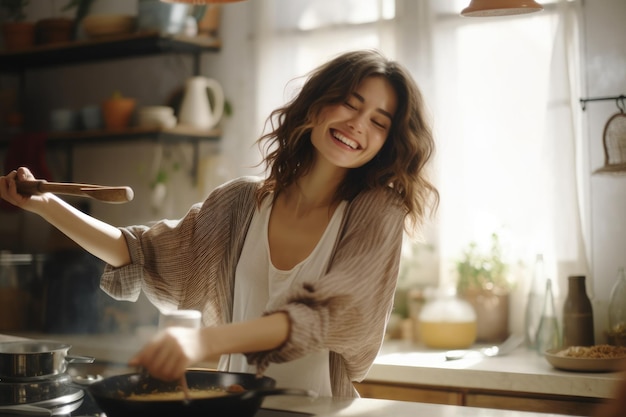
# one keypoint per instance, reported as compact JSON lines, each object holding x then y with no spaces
{"x":577,"y":314}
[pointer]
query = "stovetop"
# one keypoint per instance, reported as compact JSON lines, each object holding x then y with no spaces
{"x":86,"y":407}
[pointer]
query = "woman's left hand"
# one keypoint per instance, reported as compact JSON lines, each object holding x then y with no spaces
{"x":168,"y":355}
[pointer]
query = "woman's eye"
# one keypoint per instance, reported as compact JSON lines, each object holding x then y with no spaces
{"x":379,"y":124}
{"x":349,"y":105}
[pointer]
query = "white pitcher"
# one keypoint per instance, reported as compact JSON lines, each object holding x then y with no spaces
{"x":195,"y":109}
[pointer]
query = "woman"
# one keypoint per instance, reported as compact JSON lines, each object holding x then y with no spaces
{"x":294,"y":274}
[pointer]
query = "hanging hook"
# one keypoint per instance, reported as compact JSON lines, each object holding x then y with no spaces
{"x":619,"y":101}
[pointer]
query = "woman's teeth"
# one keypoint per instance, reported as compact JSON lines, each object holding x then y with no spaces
{"x":341,"y":138}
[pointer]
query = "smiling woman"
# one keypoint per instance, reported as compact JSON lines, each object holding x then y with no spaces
{"x":481,"y":114}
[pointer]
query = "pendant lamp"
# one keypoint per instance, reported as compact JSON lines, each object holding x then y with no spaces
{"x":487,"y":8}
{"x":201,"y":1}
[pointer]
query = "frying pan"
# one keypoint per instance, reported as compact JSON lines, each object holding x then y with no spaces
{"x":111,"y":394}
{"x":98,"y":192}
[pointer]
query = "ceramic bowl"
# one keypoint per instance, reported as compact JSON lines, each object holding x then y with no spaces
{"x":156,"y":116}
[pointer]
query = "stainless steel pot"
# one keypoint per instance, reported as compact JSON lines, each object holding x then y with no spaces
{"x":35,"y":359}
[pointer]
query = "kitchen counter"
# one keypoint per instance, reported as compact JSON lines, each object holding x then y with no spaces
{"x":522,"y":370}
{"x":400,"y":362}
{"x":116,"y":347}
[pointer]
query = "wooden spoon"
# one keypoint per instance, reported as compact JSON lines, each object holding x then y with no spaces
{"x":105,"y":194}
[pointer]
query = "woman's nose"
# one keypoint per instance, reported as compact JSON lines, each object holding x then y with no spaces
{"x":356,"y":122}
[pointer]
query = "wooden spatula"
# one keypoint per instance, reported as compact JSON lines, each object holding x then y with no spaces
{"x":106,"y":194}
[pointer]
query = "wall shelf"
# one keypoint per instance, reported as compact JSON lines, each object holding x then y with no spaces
{"x":132,"y":45}
{"x":66,"y":141}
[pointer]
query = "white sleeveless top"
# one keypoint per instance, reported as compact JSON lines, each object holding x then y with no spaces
{"x":259,"y":286}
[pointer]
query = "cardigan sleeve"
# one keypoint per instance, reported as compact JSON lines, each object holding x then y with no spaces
{"x":188,"y":263}
{"x":346,"y":311}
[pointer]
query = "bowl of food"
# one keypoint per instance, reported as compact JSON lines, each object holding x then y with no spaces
{"x":597,"y":358}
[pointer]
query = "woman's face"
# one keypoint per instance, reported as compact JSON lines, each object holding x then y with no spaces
{"x":350,"y":134}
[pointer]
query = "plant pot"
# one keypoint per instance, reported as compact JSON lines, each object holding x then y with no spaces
{"x":54,"y":30}
{"x":492,"y":314}
{"x":209,"y":22}
{"x":18,"y":35}
{"x":117,"y":112}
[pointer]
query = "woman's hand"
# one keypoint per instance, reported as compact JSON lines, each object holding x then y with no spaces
{"x":8,"y":189}
{"x":168,"y":355}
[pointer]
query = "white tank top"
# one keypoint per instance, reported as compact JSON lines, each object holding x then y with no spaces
{"x":259,"y":286}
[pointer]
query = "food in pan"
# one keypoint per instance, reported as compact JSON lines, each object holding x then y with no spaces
{"x":594,"y":352}
{"x":179,"y":395}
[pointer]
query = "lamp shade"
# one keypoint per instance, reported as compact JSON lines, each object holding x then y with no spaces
{"x":201,"y":1}
{"x":487,"y":8}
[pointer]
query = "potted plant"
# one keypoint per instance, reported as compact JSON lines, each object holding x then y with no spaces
{"x":60,"y":29}
{"x":82,"y":9}
{"x":483,"y":279}
{"x":17,"y":32}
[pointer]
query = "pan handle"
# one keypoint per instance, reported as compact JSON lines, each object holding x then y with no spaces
{"x":264,"y":392}
{"x":79,"y":359}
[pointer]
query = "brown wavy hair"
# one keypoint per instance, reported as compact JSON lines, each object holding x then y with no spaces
{"x":400,"y":164}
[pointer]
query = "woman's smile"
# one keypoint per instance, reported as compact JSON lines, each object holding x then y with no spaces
{"x":345,"y":140}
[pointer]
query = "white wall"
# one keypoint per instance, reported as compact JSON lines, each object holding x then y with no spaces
{"x":604,"y":75}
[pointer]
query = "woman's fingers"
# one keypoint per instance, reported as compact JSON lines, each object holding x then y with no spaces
{"x":165,"y":356}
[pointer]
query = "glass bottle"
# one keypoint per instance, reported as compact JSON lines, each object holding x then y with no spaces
{"x":577,"y":314}
{"x":617,"y":308}
{"x":548,"y":335}
{"x":534,"y":302}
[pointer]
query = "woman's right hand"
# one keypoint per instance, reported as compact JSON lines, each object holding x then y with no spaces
{"x":8,"y":188}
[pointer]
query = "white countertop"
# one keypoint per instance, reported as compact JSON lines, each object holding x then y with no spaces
{"x":522,"y":370}
{"x":402,"y":362}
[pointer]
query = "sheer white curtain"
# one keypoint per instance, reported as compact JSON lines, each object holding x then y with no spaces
{"x":508,"y":160}
{"x":501,"y":92}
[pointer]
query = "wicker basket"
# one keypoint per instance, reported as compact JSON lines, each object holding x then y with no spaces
{"x":614,"y":139}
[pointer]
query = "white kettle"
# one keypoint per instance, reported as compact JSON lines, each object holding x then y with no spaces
{"x":195,"y":109}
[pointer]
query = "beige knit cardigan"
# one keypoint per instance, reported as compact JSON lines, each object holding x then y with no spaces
{"x":190,"y":264}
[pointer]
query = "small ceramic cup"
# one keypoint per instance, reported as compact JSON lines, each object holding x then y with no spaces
{"x":63,"y":120}
{"x":91,"y":117}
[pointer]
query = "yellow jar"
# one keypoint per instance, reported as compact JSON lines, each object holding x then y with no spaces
{"x":447,"y":322}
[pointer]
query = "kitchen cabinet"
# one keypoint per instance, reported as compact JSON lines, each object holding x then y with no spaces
{"x":522,"y":380}
{"x":134,"y":45}
{"x":504,"y":400}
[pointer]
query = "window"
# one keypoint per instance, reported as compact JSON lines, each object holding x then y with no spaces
{"x":500,"y":101}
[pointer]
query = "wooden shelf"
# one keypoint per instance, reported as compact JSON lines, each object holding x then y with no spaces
{"x":137,"y":44}
{"x":132,"y":45}
{"x":179,"y":134}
